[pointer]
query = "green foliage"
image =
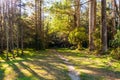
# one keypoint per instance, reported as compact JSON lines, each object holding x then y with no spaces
{"x":116,"y":53}
{"x":77,"y":36}
{"x":97,"y":40}
{"x":116,"y":45}
{"x":116,"y":42}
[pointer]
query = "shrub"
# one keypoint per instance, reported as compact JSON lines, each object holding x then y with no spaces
{"x":97,"y":41}
{"x":116,"y":45}
{"x":116,"y":42}
{"x":77,"y":36}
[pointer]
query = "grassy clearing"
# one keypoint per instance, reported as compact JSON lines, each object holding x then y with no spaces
{"x":34,"y":65}
{"x":93,"y":67}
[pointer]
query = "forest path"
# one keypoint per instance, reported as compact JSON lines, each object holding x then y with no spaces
{"x":73,"y":74}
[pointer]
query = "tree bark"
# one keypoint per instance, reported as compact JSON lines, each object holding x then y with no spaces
{"x":104,"y":27}
{"x":114,"y":17}
{"x":39,"y":43}
{"x":7,"y":30}
{"x":21,"y":29}
{"x":77,"y":13}
{"x":119,"y":17}
{"x":92,"y":23}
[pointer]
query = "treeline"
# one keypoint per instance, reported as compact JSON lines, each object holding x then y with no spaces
{"x":75,"y":24}
{"x":11,"y":31}
{"x":15,"y":24}
{"x":92,"y":23}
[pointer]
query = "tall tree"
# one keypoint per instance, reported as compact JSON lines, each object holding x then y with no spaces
{"x":113,"y":12}
{"x":21,"y":26}
{"x":104,"y":27}
{"x":0,"y":28}
{"x":39,"y":28}
{"x":119,"y":12}
{"x":7,"y":27}
{"x":92,"y":23}
{"x":77,"y":13}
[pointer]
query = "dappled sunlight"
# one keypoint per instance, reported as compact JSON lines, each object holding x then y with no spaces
{"x":23,"y":70}
{"x":43,"y":66}
{"x":47,"y":66}
{"x":86,"y":71}
{"x":9,"y":73}
{"x":36,"y":69}
{"x":93,"y":67}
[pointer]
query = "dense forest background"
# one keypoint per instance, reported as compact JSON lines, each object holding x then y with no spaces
{"x":74,"y":24}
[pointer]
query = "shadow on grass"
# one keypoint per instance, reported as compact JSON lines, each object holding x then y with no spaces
{"x":52,"y":66}
{"x":20,"y":74}
{"x":31,"y":71}
{"x":48,"y":62}
{"x":86,"y":76}
{"x":90,"y":68}
{"x":98,"y":73}
{"x":2,"y":73}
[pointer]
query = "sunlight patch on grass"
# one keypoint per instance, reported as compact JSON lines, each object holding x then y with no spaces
{"x":93,"y":67}
{"x":9,"y":73}
{"x":23,"y":70}
{"x":34,"y":65}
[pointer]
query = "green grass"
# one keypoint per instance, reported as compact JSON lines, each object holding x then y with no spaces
{"x":33,"y":65}
{"x":45,"y":65}
{"x":93,"y":67}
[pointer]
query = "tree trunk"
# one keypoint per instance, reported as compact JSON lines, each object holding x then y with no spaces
{"x":21,"y":30}
{"x":39,"y":43}
{"x":119,"y":16}
{"x":113,"y":18}
{"x":104,"y":27}
{"x":77,"y":13}
{"x":7,"y":30}
{"x":92,"y":23}
{"x":36,"y":25}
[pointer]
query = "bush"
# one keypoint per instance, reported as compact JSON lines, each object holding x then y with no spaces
{"x":77,"y":36}
{"x":116,"y":53}
{"x":116,"y":42}
{"x":97,"y":40}
{"x":116,"y":46}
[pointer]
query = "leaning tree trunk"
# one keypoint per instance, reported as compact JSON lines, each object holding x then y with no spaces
{"x":104,"y":27}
